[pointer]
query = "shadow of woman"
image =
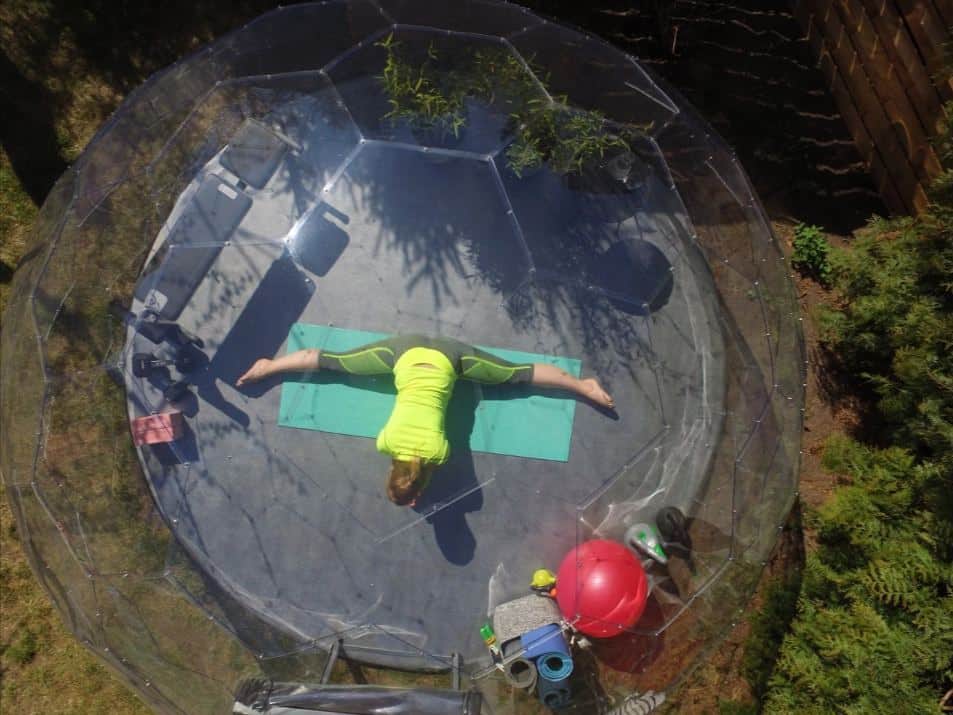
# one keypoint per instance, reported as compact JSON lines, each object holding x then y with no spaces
{"x":455,"y":490}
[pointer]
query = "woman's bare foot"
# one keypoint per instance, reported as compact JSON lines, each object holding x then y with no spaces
{"x":593,"y":390}
{"x":261,"y":368}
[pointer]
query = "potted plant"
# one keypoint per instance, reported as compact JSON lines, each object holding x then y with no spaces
{"x":434,"y":94}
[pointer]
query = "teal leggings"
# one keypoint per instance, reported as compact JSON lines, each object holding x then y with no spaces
{"x":469,"y":362}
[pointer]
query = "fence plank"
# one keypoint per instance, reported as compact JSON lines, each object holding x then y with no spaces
{"x":899,"y":47}
{"x":849,"y":66}
{"x":865,"y":145}
{"x":863,"y":140}
{"x":929,"y":34}
{"x":900,"y":111}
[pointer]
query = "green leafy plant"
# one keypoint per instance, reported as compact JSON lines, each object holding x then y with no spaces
{"x":430,"y":94}
{"x":421,"y":94}
{"x":732,"y":707}
{"x":566,"y":140}
{"x":811,"y":253}
{"x":874,"y":630}
{"x":525,"y":154}
{"x":895,"y":328}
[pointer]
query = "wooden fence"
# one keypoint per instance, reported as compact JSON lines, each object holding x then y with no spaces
{"x":883,"y":61}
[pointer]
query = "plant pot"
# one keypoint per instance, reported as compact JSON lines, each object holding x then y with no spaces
{"x":610,"y":190}
{"x":438,"y":135}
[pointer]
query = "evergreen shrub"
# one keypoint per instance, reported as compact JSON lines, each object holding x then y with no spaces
{"x":874,"y":625}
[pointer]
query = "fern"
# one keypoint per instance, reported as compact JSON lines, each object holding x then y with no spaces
{"x":874,"y":624}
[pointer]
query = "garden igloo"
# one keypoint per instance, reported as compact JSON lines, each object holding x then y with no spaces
{"x":335,"y":173}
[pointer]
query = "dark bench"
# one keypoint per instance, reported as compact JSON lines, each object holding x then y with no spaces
{"x":185,"y":257}
{"x":254,"y":153}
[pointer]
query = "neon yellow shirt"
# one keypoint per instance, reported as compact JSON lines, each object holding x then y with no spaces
{"x":415,"y":427}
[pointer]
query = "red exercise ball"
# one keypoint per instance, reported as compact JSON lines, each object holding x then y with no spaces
{"x":601,"y":588}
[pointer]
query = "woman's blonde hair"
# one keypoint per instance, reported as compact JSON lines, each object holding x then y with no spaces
{"x":408,"y":478}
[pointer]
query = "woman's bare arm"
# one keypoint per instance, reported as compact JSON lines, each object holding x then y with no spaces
{"x":300,"y":361}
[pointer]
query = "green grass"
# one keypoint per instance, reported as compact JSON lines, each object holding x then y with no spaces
{"x":42,"y":666}
{"x":24,"y":648}
{"x":43,"y":669}
{"x":16,"y":216}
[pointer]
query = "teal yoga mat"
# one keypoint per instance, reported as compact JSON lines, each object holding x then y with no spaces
{"x":502,"y":419}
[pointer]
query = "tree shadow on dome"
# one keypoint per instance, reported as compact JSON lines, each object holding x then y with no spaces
{"x":28,"y":133}
{"x":635,"y":274}
{"x":302,"y":113}
{"x":597,"y":276}
{"x":433,"y":210}
{"x":446,"y":218}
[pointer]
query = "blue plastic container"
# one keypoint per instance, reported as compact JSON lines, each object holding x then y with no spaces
{"x":548,"y":639}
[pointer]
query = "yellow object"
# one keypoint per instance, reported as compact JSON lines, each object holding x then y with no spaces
{"x":542,"y":579}
{"x":416,"y":424}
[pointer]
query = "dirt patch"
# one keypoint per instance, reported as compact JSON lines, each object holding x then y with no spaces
{"x":828,"y":408}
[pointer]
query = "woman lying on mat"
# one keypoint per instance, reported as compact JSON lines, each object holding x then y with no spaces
{"x":425,"y":370}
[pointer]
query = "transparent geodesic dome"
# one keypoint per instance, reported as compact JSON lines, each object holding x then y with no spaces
{"x":466,"y":169}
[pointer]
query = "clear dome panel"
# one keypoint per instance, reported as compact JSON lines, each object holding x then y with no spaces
{"x":591,"y":74}
{"x":615,"y":343}
{"x":759,"y":460}
{"x":279,"y":138}
{"x":467,"y":16}
{"x":783,"y":321}
{"x":23,"y":386}
{"x":531,"y":189}
{"x":120,"y":154}
{"x":290,"y":39}
{"x":123,"y":148}
{"x":71,"y":587}
{"x":188,"y":651}
{"x":111,"y":527}
{"x":76,"y":318}
{"x":51,"y":215}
